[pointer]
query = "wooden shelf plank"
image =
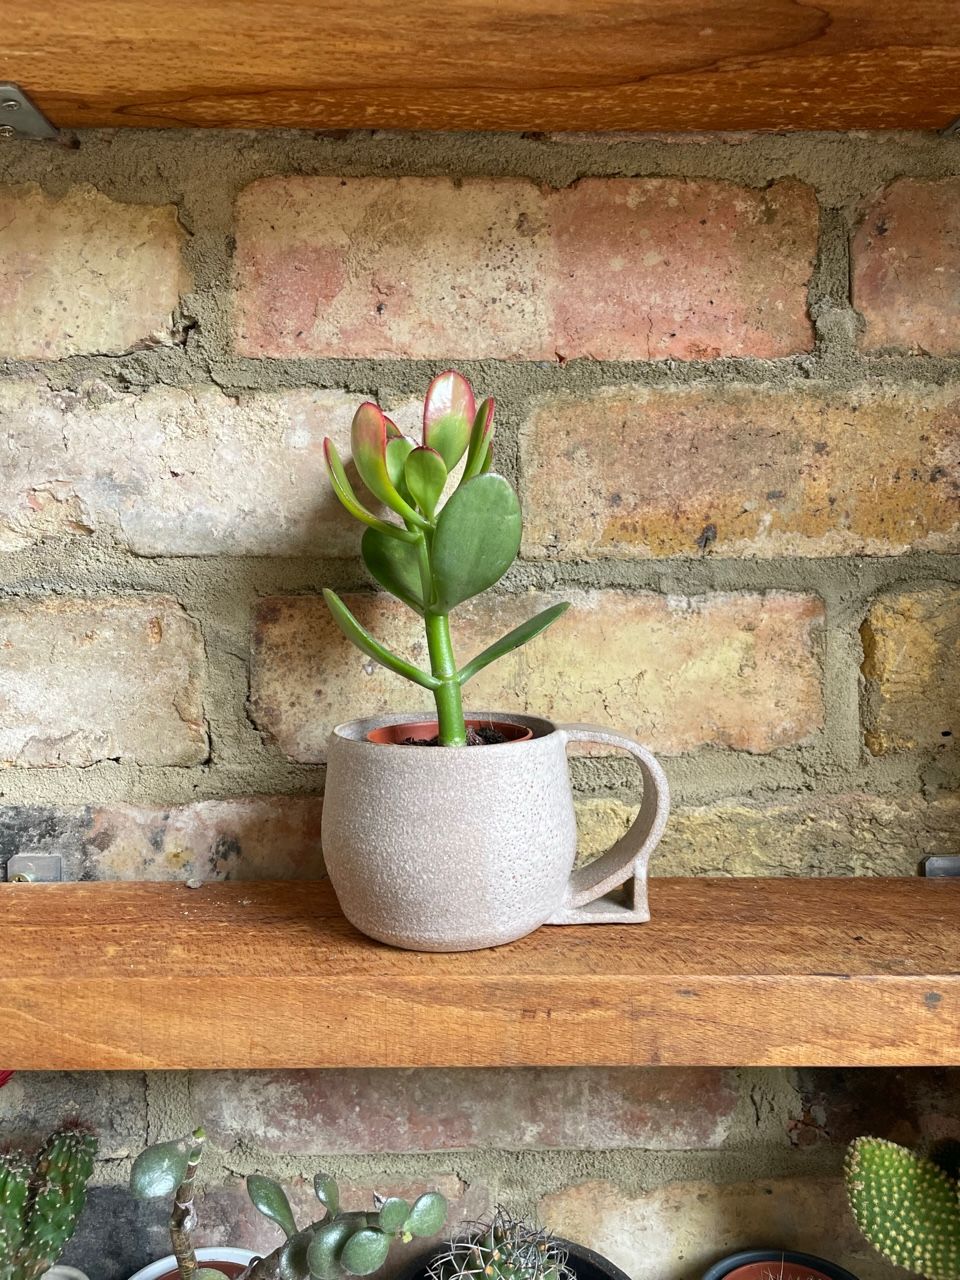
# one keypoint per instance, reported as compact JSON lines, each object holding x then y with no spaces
{"x":476,"y":64}
{"x":730,"y":972}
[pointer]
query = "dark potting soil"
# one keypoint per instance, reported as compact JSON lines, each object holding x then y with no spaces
{"x":484,"y":737}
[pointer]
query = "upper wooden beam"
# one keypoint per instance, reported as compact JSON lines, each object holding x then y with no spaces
{"x":857,"y":972}
{"x":485,"y":64}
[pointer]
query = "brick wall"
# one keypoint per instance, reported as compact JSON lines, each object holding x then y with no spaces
{"x":728,"y":383}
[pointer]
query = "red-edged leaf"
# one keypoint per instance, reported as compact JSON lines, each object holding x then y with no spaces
{"x":368,"y":440}
{"x":448,"y":413}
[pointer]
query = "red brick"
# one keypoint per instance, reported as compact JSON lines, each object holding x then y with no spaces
{"x":610,"y":268}
{"x":917,"y":1108}
{"x":353,"y":1112}
{"x":743,"y":471}
{"x":103,"y":678}
{"x":81,"y":273}
{"x":732,"y":670}
{"x":906,"y":267}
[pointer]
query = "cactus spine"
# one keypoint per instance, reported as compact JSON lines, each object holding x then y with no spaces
{"x":40,"y":1203}
{"x":906,"y":1206}
{"x":505,"y":1249}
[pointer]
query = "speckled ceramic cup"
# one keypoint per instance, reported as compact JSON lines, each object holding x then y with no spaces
{"x":456,"y":848}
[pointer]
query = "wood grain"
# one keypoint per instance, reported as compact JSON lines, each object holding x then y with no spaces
{"x":483,"y":64}
{"x":765,"y":972}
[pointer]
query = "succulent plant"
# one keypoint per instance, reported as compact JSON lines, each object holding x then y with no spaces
{"x":334,"y":1247}
{"x":506,"y":1248}
{"x":906,"y":1206}
{"x":41,"y":1200}
{"x":442,"y":553}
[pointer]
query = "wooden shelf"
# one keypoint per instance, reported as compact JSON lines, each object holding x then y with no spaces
{"x":484,"y":64}
{"x":730,"y":972}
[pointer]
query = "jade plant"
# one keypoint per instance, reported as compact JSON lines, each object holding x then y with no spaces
{"x":505,"y":1248}
{"x":41,"y":1200}
{"x":337,"y":1245}
{"x":439,"y":554}
{"x":907,"y":1207}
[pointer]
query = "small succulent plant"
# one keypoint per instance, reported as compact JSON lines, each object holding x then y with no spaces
{"x":441,"y":554}
{"x":505,"y":1248}
{"x":41,"y":1200}
{"x":906,"y":1206}
{"x":336,"y":1246}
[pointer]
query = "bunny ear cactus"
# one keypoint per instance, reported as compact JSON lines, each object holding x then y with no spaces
{"x":440,"y":555}
{"x":41,"y":1202}
{"x":338,"y":1245}
{"x":906,"y":1206}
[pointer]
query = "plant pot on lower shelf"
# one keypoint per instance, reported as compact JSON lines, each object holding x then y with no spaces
{"x":456,"y":848}
{"x":64,"y":1273}
{"x":775,"y":1264}
{"x":232,"y":1262}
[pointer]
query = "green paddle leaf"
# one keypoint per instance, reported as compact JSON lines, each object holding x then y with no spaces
{"x":323,"y":1253}
{"x":271,"y":1200}
{"x":393,"y":1213}
{"x":448,"y":413}
{"x":372,"y":647}
{"x":160,"y":1169}
{"x":368,"y":442}
{"x":327,"y":1191}
{"x":427,"y":1216}
{"x":398,"y":450}
{"x":513,"y":640}
{"x":365,"y":1252}
{"x":344,"y":491}
{"x":476,"y":540}
{"x":293,"y":1263}
{"x":395,"y":565}
{"x":425,"y":474}
{"x":481,"y":438}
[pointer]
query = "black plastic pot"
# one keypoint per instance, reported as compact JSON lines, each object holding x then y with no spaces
{"x":746,"y":1265}
{"x":584,"y":1263}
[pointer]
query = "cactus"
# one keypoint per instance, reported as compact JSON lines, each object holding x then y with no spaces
{"x":906,"y":1206}
{"x":41,"y":1202}
{"x":503,"y":1249}
{"x":440,"y":555}
{"x":336,"y":1246}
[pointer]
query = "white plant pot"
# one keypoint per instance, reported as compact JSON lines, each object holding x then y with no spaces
{"x":156,"y":1270}
{"x":64,"y":1273}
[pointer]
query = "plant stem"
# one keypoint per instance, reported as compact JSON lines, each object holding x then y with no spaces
{"x":448,"y":699}
{"x":184,"y":1218}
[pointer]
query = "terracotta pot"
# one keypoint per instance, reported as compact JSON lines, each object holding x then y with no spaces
{"x":428,"y":729}
{"x":776,"y":1264}
{"x":455,"y":848}
{"x":232,"y":1262}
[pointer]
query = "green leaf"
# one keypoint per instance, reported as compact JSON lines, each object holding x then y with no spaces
{"x":481,"y":438}
{"x":448,"y":413}
{"x":323,"y":1252}
{"x":476,"y":540}
{"x":159,"y":1170}
{"x":271,"y":1200}
{"x":365,"y":1252}
{"x":209,"y":1273}
{"x":292,"y":1263}
{"x":425,"y":473}
{"x":428,"y":1215}
{"x":398,"y":450}
{"x":513,"y":640}
{"x":395,"y":565}
{"x":327,"y":1192}
{"x":393,"y":1213}
{"x":344,"y":491}
{"x":368,"y":442}
{"x":372,"y":647}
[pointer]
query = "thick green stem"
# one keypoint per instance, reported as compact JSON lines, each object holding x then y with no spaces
{"x":449,"y":703}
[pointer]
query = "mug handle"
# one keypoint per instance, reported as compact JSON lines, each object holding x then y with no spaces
{"x":586,"y":900}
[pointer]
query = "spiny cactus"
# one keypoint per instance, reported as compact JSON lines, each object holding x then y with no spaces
{"x":906,"y":1206}
{"x":504,"y":1249}
{"x":334,"y":1247}
{"x":40,"y":1202}
{"x":439,"y":556}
